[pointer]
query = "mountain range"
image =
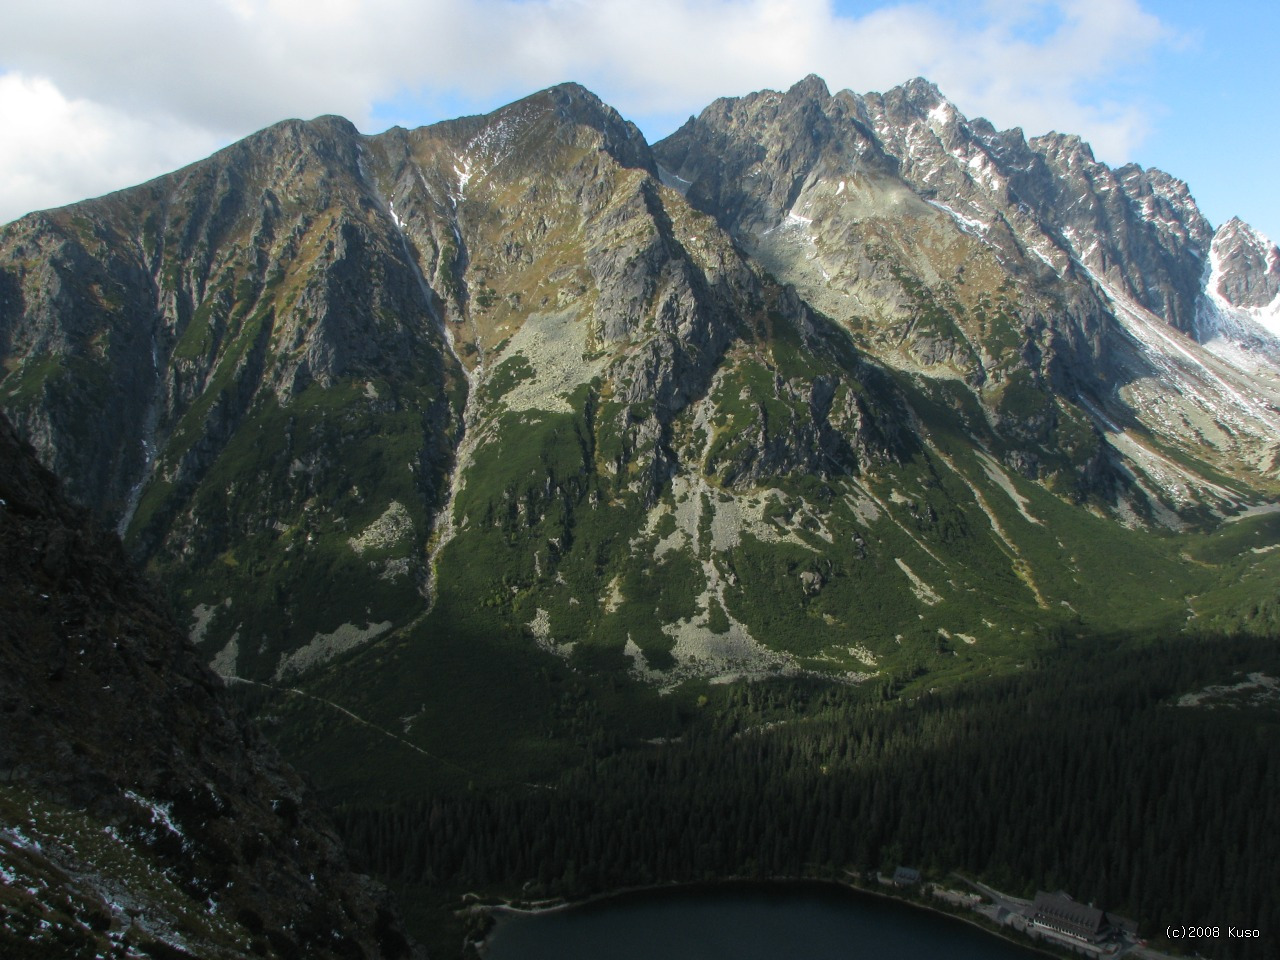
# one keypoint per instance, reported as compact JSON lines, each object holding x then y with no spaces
{"x":495,"y":434}
{"x":858,"y":347}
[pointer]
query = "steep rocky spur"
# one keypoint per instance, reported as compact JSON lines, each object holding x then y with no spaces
{"x":140,"y":815}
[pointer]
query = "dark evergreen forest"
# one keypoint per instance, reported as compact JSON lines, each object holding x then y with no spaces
{"x":1079,"y":772}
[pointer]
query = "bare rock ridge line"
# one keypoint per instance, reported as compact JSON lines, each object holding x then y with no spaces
{"x":825,"y":189}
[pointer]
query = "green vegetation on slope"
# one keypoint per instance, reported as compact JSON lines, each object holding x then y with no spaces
{"x":271,"y":525}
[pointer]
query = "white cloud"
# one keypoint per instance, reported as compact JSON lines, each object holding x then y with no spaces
{"x":57,"y":150}
{"x":1055,"y":81}
{"x":136,"y":85}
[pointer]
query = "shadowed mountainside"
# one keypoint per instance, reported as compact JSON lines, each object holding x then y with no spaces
{"x":139,"y":813}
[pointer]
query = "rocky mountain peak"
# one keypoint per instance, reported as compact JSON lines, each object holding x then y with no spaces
{"x":290,"y":147}
{"x":812,"y":87}
{"x":1167,"y":185}
{"x":747,"y":159}
{"x":577,"y":106}
{"x":982,"y":127}
{"x":1065,"y":149}
{"x":917,"y":102}
{"x":1247,"y":265}
{"x":811,"y":190}
{"x":920,"y":93}
{"x":325,"y":126}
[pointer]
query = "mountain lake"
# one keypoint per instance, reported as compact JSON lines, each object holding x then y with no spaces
{"x":813,"y":921}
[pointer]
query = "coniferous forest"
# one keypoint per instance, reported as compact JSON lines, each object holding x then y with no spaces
{"x":1078,"y":772}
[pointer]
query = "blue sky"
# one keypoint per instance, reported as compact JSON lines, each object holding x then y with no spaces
{"x":94,"y":97}
{"x":1214,"y":102}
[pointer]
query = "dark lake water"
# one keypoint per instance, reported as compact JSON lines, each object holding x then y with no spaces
{"x":744,"y":922}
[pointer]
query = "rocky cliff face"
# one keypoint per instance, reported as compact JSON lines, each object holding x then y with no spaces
{"x":286,"y":360}
{"x":875,"y":205}
{"x":1242,"y":292}
{"x":188,"y":343}
{"x":139,"y":814}
{"x":158,"y":309}
{"x":623,"y":358}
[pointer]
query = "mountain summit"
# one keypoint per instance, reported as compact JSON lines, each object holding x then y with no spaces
{"x":1243,"y":287}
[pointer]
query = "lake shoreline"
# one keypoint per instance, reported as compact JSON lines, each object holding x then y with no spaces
{"x":534,"y":908}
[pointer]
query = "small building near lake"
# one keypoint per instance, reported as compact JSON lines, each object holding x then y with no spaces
{"x":906,"y":877}
{"x":1058,"y":913}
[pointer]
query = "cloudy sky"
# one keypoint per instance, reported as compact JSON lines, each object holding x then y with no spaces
{"x":97,"y":96}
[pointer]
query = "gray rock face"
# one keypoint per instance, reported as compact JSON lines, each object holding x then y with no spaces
{"x":1139,"y":229}
{"x":1240,"y":306}
{"x":870,"y":190}
{"x":748,"y":159}
{"x":274,"y":344}
{"x":164,"y":307}
{"x":890,"y":209}
{"x":179,"y":351}
{"x":1247,"y":266}
{"x":1039,"y":204}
